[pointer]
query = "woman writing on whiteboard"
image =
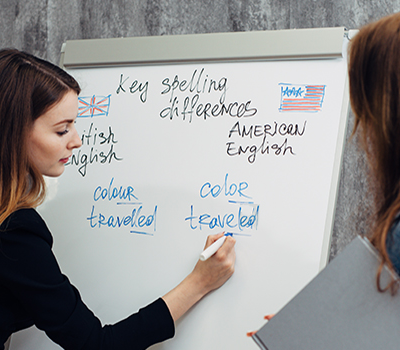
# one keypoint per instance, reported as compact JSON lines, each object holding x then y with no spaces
{"x":38,"y":108}
{"x":374,"y":77}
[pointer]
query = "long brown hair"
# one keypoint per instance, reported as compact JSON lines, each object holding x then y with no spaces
{"x":29,"y":86}
{"x":374,"y":76}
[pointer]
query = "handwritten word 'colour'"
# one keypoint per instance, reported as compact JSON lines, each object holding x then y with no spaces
{"x":301,"y":98}
{"x":111,"y":192}
{"x":93,"y":106}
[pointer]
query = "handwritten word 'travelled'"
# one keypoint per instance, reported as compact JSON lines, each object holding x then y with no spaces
{"x":135,"y":219}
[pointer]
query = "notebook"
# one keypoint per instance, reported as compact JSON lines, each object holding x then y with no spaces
{"x":340,"y":308}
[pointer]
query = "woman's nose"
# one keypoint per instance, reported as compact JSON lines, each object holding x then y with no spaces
{"x":75,"y":142}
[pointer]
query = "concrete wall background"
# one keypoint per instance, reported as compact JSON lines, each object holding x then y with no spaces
{"x":41,"y":26}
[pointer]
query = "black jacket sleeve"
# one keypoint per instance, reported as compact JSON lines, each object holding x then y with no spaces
{"x":30,"y":273}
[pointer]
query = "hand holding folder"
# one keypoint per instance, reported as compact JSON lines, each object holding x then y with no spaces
{"x":340,"y":308}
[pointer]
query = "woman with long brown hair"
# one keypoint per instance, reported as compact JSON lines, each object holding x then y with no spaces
{"x":38,"y":109}
{"x":374,"y":76}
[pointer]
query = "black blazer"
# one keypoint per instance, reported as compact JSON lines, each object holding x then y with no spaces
{"x":33,"y":291}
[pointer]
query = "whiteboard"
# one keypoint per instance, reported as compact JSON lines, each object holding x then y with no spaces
{"x":172,"y":153}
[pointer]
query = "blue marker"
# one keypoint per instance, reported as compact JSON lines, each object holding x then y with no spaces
{"x":212,"y":249}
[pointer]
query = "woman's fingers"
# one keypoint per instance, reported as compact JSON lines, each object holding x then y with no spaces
{"x":266,"y":317}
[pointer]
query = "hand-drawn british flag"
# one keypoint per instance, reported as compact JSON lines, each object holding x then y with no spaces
{"x":301,"y":97}
{"x":93,"y":106}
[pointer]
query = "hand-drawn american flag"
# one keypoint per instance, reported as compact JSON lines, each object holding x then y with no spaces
{"x":301,"y":98}
{"x":93,"y":106}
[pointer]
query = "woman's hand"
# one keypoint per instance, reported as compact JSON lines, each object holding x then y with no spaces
{"x":215,"y":271}
{"x":267,"y":317}
{"x":205,"y":277}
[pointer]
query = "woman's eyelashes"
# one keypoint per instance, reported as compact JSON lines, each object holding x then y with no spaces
{"x":61,"y":133}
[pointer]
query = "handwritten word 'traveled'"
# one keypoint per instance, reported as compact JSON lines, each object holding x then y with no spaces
{"x":233,"y":220}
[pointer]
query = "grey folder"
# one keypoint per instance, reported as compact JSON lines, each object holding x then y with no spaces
{"x":340,"y":308}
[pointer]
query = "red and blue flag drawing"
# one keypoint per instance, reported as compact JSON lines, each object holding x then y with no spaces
{"x":93,"y":106}
{"x":301,"y":97}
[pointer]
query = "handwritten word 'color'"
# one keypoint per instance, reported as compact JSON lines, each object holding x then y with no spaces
{"x":230,"y":189}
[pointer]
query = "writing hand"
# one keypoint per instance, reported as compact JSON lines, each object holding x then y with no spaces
{"x":205,"y":277}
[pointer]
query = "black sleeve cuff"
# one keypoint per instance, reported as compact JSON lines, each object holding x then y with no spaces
{"x":151,"y":325}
